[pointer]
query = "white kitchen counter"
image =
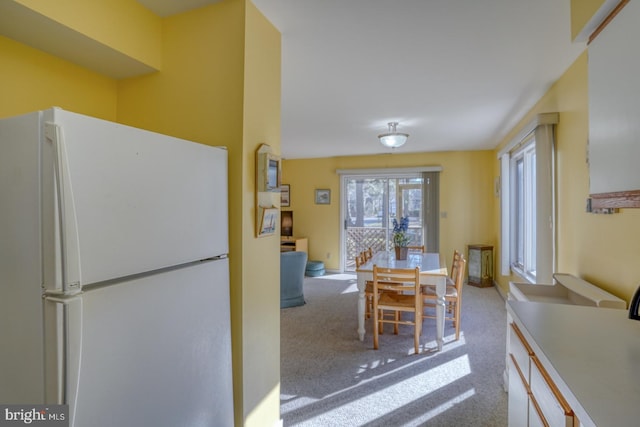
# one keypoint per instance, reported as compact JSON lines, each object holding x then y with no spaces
{"x":568,"y":289}
{"x":592,"y":355}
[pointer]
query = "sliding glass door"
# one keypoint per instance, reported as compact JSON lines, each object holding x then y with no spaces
{"x":371,"y":203}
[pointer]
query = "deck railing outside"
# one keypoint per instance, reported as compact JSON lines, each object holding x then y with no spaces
{"x":363,"y":238}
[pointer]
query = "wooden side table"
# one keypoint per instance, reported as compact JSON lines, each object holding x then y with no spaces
{"x":480,"y":266}
{"x":299,"y":244}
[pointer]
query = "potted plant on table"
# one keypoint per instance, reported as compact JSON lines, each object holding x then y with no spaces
{"x":400,"y":237}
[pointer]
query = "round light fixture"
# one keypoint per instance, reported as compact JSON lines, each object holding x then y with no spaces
{"x":393,"y":139}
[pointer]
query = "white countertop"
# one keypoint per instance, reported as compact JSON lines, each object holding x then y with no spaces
{"x":592,"y":355}
{"x":568,"y":289}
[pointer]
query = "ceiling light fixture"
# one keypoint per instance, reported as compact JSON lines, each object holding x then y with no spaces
{"x":393,"y":139}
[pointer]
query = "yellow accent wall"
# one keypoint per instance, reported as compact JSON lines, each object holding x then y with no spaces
{"x":198,"y":93}
{"x":123,"y":25}
{"x":260,"y":256}
{"x":602,"y":249}
{"x":32,"y":80}
{"x":466,"y":197}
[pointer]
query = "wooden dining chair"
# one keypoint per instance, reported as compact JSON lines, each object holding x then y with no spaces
{"x":451,"y":278}
{"x":368,"y":254}
{"x":452,"y":274}
{"x":397,"y":290}
{"x":368,"y":287}
{"x":359,"y":260}
{"x":420,"y":248}
{"x":454,"y":267}
{"x":453,"y":295}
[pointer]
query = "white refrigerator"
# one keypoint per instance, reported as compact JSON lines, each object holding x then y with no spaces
{"x":114,"y":275}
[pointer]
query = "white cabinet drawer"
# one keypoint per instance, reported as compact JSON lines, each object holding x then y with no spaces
{"x":520,"y":350}
{"x":553,"y":406}
{"x":518,"y":397}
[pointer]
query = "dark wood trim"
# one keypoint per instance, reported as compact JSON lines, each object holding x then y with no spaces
{"x":608,"y":19}
{"x":618,"y":199}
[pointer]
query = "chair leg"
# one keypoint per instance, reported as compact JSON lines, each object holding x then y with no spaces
{"x":375,"y":329}
{"x":417,"y":332}
{"x":395,"y":325}
{"x":457,"y":319}
{"x":454,"y":318}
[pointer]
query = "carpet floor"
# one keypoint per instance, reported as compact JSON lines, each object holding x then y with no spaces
{"x":330,"y":378}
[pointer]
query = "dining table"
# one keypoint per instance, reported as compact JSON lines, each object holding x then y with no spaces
{"x":433,"y":271}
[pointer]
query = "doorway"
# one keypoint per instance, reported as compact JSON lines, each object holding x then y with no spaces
{"x":371,"y":203}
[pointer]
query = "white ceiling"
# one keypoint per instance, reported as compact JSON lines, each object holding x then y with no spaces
{"x":455,"y":74}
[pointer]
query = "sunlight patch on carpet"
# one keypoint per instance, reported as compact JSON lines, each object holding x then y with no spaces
{"x":420,"y":421}
{"x":384,"y":400}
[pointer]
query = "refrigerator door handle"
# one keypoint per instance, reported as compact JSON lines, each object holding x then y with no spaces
{"x":69,"y":245}
{"x":63,"y":351}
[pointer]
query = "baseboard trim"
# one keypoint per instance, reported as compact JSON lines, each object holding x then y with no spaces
{"x":500,"y":291}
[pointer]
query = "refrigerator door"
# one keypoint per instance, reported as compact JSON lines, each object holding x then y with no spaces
{"x":152,"y":351}
{"x":21,"y":360}
{"x":127,"y":201}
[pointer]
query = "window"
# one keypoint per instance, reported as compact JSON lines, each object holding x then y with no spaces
{"x":528,"y":202}
{"x":523,"y":208}
{"x":372,"y":198}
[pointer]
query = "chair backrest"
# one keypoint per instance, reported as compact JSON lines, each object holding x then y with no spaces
{"x":420,"y":248}
{"x":359,"y":260}
{"x":454,"y":264}
{"x":458,"y":279}
{"x":367,"y":254}
{"x":396,"y":279}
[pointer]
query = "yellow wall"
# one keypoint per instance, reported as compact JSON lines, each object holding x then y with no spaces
{"x":260,"y":256}
{"x":220,"y":85}
{"x":198,"y":93}
{"x":31,"y":80}
{"x":602,"y":249}
{"x":466,"y":195}
{"x":123,"y":25}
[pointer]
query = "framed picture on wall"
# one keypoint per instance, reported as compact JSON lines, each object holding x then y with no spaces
{"x":269,"y":221}
{"x":268,"y":172}
{"x":284,"y":195}
{"x":323,"y":197}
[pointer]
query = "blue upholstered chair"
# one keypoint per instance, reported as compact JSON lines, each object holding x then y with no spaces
{"x":292,"y":266}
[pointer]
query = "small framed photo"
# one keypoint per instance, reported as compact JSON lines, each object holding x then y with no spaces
{"x":269,"y":222}
{"x":273,"y":173}
{"x":284,"y":195}
{"x":323,"y":197}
